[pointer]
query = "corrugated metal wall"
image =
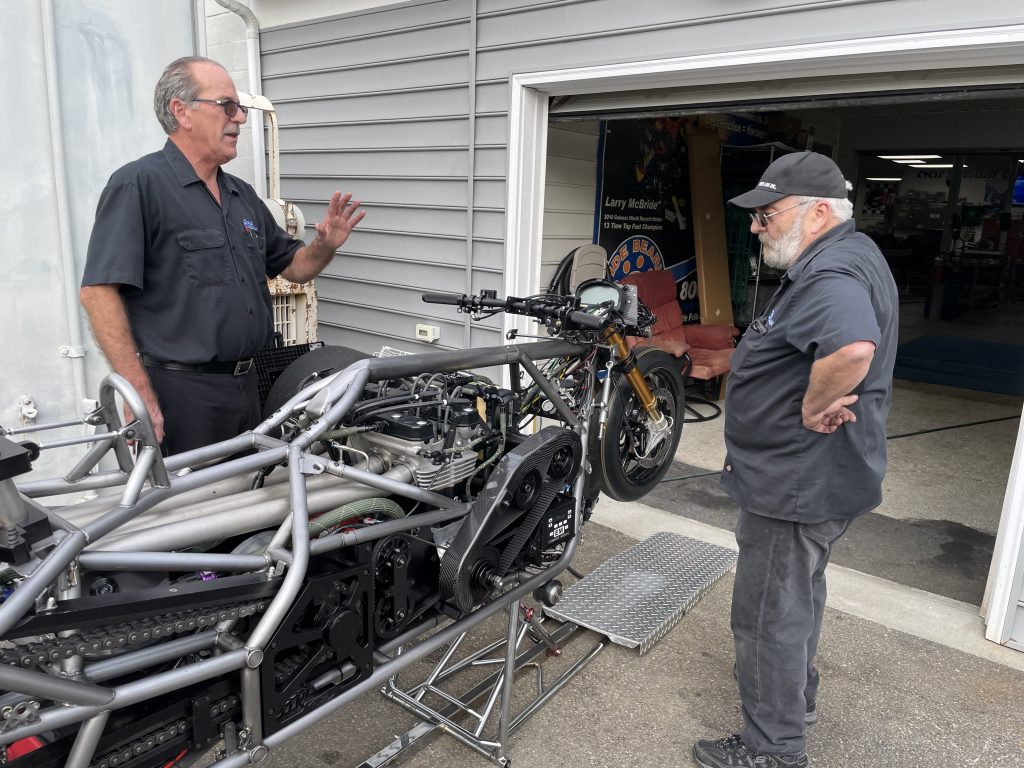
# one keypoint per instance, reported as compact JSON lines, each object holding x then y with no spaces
{"x":408,"y":106}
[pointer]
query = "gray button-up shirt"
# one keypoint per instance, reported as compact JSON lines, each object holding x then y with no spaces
{"x":839,"y":291}
{"x":192,"y":273}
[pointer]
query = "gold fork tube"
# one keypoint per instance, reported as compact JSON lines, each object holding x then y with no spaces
{"x":633,"y":375}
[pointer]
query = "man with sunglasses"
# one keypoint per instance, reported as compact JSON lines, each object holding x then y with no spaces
{"x":809,"y":392}
{"x":175,"y":277}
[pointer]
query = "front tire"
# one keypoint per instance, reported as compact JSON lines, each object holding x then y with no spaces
{"x":625,"y":476}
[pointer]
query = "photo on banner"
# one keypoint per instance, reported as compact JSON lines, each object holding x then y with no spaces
{"x":643,"y":215}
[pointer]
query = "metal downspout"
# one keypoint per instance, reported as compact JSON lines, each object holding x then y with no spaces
{"x":252,"y":53}
{"x":199,"y":26}
{"x":471,"y":173}
{"x":75,"y":349}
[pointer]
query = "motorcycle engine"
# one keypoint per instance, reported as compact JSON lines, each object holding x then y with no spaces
{"x":435,"y":442}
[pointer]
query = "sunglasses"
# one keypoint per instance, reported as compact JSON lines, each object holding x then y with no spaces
{"x":231,"y":108}
{"x":762,"y":218}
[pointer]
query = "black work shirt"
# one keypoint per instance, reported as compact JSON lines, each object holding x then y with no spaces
{"x":839,"y":291}
{"x":192,"y":273}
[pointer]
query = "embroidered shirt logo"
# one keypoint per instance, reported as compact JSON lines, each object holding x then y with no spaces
{"x":771,"y":319}
{"x":250,"y":229}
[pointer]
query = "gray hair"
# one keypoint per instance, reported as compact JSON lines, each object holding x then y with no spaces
{"x":841,"y":208}
{"x":176,"y":82}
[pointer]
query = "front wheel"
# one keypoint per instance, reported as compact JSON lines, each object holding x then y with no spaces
{"x":631,"y":464}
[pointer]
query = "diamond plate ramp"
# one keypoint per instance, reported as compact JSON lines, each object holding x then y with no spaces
{"x":638,"y":595}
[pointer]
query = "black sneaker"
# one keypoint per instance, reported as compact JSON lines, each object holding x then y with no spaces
{"x":811,"y":715}
{"x":731,"y":752}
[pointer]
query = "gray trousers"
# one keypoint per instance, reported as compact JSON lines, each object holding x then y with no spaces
{"x":777,"y":605}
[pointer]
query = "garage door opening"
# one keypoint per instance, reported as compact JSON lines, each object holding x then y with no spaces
{"x":952,"y":236}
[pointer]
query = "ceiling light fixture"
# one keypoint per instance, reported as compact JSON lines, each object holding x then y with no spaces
{"x":884,"y":178}
{"x":910,"y":157}
{"x":908,"y":162}
{"x":935,"y":165}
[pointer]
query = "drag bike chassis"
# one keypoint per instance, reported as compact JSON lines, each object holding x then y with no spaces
{"x":90,"y":704}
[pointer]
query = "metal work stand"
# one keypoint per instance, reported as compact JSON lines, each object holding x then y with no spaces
{"x":632,"y":600}
{"x":466,"y":716}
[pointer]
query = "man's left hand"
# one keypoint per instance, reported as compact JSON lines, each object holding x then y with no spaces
{"x":342,"y":216}
{"x":832,"y":418}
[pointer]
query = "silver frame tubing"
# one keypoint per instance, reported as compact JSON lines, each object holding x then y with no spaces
{"x":150,"y":481}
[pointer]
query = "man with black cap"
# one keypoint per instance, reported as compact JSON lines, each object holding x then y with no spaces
{"x":809,"y":392}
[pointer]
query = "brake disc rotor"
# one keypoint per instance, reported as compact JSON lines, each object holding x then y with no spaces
{"x":652,"y":458}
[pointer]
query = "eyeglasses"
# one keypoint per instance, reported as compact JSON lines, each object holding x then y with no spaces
{"x":762,"y":218}
{"x":231,"y":108}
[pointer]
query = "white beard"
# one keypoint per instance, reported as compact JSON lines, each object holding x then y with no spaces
{"x":783,"y":251}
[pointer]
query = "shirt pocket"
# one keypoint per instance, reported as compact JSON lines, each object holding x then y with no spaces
{"x":256,"y":247}
{"x":204,"y":256}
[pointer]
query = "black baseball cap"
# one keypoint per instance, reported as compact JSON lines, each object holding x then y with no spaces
{"x":808,"y":174}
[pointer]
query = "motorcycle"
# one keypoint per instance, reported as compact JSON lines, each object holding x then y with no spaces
{"x":240,"y":592}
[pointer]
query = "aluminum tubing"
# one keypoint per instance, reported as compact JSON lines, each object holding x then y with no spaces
{"x":222,"y":490}
{"x":131,"y":693}
{"x":252,"y":704}
{"x":120,"y":515}
{"x":213,"y":499}
{"x":409,"y":657}
{"x":454,"y":360}
{"x":24,"y":597}
{"x":285,"y":410}
{"x":350,"y":390}
{"x":206,"y":527}
{"x":57,"y":688}
{"x":85,"y":743}
{"x":137,"y":479}
{"x":146,"y":657}
{"x":189,"y":505}
{"x":385,"y":483}
{"x":292,"y":583}
{"x":552,"y":394}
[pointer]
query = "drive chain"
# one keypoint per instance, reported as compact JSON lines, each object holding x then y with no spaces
{"x":123,"y":637}
{"x":159,"y":736}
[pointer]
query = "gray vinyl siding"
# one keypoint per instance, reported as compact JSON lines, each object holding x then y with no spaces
{"x":569,"y":191}
{"x":407,"y":106}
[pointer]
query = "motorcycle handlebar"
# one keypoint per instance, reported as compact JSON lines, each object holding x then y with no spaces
{"x":445,"y":298}
{"x":542,"y":309}
{"x":586,"y":320}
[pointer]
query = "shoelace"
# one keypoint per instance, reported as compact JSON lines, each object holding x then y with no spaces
{"x":734,"y":744}
{"x":737,"y":750}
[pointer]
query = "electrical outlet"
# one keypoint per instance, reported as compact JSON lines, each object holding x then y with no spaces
{"x":427,"y":333}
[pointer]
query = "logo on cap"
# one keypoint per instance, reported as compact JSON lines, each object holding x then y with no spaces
{"x":767,"y":184}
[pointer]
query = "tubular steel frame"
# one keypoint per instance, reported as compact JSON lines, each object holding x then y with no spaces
{"x":189,"y":501}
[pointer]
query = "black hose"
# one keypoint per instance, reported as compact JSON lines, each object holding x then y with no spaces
{"x":953,"y":426}
{"x":890,"y":437}
{"x":690,"y":477}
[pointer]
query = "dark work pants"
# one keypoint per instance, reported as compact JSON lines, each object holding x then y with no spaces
{"x":204,"y":408}
{"x":777,"y":605}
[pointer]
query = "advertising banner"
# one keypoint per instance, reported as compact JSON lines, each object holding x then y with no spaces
{"x":643,"y":208}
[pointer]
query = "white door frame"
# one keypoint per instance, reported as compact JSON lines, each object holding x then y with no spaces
{"x":1006,"y":573}
{"x":945,"y":50}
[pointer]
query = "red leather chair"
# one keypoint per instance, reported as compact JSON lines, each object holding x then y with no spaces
{"x":706,"y":349}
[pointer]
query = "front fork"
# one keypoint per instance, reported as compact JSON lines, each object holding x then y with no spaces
{"x":659,"y":426}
